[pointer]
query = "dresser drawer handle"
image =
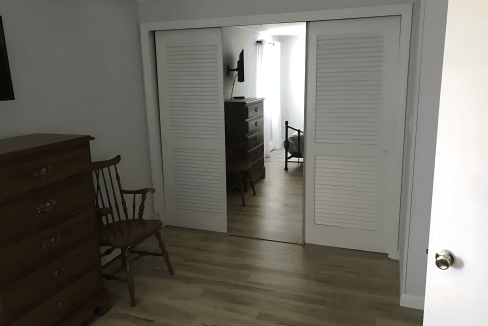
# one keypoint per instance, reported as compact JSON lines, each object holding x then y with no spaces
{"x":58,"y":273}
{"x":256,"y":123}
{"x":256,"y":109}
{"x":43,"y":172}
{"x":61,"y":306}
{"x":47,"y":207}
{"x":51,"y":242}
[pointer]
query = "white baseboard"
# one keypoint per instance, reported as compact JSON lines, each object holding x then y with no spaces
{"x":394,"y":255}
{"x":412,"y":301}
{"x":154,"y":216}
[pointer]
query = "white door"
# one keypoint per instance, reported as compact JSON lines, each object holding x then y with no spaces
{"x":191,"y":104}
{"x":355,"y":114}
{"x":458,"y":295}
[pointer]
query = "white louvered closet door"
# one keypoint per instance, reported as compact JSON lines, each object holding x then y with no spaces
{"x":354,"y":134}
{"x":191,"y":103}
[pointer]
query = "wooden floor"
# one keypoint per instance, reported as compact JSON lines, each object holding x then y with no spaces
{"x":224,"y":280}
{"x":275,"y":212}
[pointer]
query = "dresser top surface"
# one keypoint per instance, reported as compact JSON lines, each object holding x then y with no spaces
{"x":244,"y":100}
{"x":31,"y":141}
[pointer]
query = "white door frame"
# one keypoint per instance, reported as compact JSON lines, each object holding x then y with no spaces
{"x":420,"y":137}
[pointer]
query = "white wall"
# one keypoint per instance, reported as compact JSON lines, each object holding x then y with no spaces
{"x":413,"y":231}
{"x":425,"y":123}
{"x":412,"y":283}
{"x":76,"y":68}
{"x":167,"y":10}
{"x":234,"y":39}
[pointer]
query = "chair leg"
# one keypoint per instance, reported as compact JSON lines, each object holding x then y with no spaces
{"x":251,"y":182}
{"x":242,"y":191}
{"x":164,"y":252}
{"x":130,"y":279}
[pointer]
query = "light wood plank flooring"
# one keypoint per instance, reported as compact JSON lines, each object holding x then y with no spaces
{"x":223,"y":280}
{"x":275,"y":212}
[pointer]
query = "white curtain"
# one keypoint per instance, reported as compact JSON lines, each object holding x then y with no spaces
{"x":268,"y":86}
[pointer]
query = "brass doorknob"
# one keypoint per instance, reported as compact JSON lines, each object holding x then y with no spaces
{"x":444,"y":259}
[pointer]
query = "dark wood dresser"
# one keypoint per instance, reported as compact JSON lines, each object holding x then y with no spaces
{"x":244,"y":135}
{"x":50,"y":271}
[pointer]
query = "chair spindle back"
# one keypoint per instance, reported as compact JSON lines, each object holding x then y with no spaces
{"x":109,"y":192}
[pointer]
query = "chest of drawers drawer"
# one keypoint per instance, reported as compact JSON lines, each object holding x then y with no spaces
{"x":254,"y":125}
{"x":244,"y":135}
{"x":19,"y":297}
{"x":24,"y":257}
{"x":57,"y":307}
{"x":44,"y":207}
{"x":49,"y":240}
{"x":254,"y":110}
{"x":255,"y":153}
{"x":257,"y":165}
{"x":255,"y":139}
{"x":36,"y":170}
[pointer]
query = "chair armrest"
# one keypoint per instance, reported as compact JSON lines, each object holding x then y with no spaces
{"x":138,"y":192}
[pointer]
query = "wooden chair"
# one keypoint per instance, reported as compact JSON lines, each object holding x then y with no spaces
{"x":116,"y":228}
{"x":238,"y":169}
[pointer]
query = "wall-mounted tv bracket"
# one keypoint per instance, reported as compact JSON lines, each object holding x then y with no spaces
{"x":229,"y":70}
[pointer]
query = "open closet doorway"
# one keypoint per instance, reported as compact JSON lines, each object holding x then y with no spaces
{"x":273,"y":93}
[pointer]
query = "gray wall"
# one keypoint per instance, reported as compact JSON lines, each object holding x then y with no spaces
{"x":417,"y":231}
{"x":76,"y":68}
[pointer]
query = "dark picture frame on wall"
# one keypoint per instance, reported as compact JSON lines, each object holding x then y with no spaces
{"x":6,"y":87}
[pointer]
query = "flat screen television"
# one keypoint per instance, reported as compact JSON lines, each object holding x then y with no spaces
{"x":239,"y":69}
{"x":6,"y":87}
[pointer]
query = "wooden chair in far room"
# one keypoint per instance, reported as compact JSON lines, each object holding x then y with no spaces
{"x":116,"y":228}
{"x":238,"y":166}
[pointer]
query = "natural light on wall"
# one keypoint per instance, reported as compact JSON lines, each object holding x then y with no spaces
{"x":281,"y":79}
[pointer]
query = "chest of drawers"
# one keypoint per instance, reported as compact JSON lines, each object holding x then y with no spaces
{"x":244,"y":135}
{"x":50,"y":272}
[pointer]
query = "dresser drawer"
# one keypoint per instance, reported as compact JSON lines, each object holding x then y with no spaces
{"x":29,"y":213}
{"x":257,"y":165}
{"x":62,"y":303}
{"x":27,"y":172}
{"x":254,"y":110}
{"x":24,"y":295}
{"x":255,"y":139}
{"x":23,"y":258}
{"x":254,"y":125}
{"x":255,"y":153}
{"x":258,"y":175}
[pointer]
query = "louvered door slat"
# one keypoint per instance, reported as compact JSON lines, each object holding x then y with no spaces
{"x":352,"y":86}
{"x":326,"y":99}
{"x":190,"y":80}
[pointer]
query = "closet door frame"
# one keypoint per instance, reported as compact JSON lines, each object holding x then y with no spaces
{"x":425,"y":75}
{"x":151,"y":92}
